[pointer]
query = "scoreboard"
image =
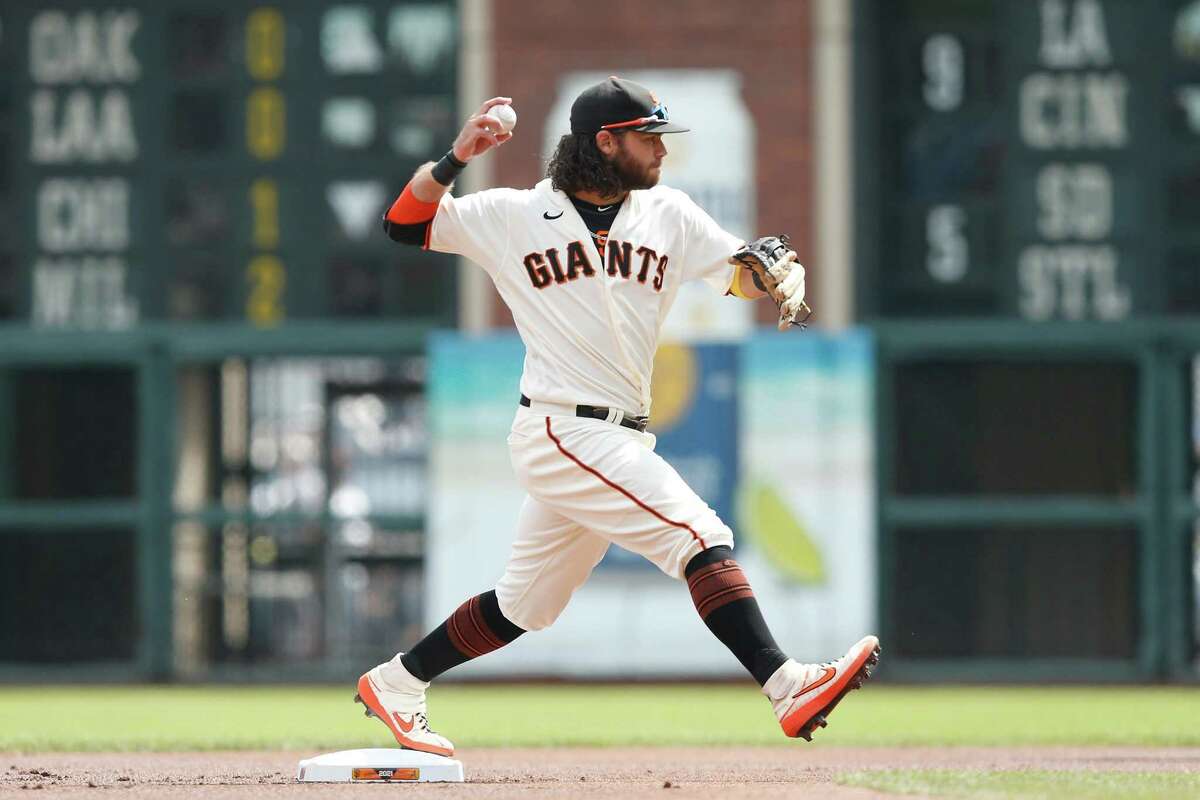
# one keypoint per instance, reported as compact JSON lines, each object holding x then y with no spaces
{"x":1035,"y":159}
{"x":225,"y":160}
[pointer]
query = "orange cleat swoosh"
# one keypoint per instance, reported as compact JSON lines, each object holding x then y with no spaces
{"x":824,"y":679}
{"x":405,"y":727}
{"x":366,"y":691}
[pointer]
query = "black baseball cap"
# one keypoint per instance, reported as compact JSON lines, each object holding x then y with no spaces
{"x":620,"y":105}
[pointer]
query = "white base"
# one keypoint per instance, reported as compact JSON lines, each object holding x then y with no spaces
{"x":379,"y":765}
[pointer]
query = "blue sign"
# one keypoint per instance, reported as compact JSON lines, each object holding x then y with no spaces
{"x":694,"y":415}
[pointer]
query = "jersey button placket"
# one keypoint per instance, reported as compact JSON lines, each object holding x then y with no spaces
{"x":610,"y":301}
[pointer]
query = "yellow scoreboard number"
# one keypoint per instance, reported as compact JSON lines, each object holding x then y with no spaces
{"x":266,"y":124}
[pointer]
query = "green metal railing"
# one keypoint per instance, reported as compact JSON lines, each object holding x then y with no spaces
{"x":1162,"y":512}
{"x":155,"y":352}
{"x":1177,"y":512}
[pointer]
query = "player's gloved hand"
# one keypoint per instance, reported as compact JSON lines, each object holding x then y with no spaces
{"x":776,"y":270}
{"x":479,"y":133}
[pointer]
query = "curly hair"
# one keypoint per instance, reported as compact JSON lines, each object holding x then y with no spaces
{"x":578,"y":165}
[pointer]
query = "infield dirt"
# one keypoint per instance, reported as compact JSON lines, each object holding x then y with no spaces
{"x":664,"y":772}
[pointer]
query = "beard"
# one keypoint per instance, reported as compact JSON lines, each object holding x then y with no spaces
{"x":632,"y":175}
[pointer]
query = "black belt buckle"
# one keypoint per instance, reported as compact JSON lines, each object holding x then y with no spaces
{"x":636,"y":423}
{"x":597,"y":412}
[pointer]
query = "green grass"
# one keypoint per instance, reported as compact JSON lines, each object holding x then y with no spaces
{"x":1028,"y":784}
{"x":322,"y":717}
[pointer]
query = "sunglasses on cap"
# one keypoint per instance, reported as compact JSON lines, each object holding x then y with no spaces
{"x":657,"y":114}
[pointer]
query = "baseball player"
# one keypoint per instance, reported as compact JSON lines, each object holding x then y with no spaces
{"x":589,"y":261}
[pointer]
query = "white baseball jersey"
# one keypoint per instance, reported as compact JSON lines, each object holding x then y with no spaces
{"x":590,"y":326}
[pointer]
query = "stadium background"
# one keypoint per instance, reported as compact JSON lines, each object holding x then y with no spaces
{"x":245,"y":437}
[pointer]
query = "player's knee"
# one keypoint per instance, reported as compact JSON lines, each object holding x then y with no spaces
{"x":527,"y":615}
{"x":496,"y":620}
{"x":533,"y":619}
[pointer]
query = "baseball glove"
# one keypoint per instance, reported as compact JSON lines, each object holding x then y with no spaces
{"x":775,"y":270}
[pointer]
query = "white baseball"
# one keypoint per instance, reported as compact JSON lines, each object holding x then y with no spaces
{"x":504,"y":115}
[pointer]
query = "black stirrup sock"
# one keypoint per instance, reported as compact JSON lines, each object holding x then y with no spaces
{"x":726,"y":603}
{"x":476,"y":628}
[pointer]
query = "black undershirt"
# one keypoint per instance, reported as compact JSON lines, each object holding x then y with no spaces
{"x":599,"y":219}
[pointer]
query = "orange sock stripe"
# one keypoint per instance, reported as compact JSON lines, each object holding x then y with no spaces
{"x":457,"y":639}
{"x":481,"y":627}
{"x":469,"y":631}
{"x":709,"y":572}
{"x":408,"y":210}
{"x":718,"y":585}
{"x":723,"y":598}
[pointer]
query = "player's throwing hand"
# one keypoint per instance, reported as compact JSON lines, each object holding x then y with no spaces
{"x":480,"y":133}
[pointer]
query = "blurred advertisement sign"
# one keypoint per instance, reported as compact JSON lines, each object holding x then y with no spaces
{"x":694,"y":418}
{"x":806,"y":492}
{"x":777,"y":428}
{"x":714,"y":164}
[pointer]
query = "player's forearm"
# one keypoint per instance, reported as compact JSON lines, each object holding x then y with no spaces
{"x":409,"y":218}
{"x":426,"y":187}
{"x":423,"y":186}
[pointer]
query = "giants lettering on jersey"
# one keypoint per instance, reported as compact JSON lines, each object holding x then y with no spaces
{"x":548,"y":267}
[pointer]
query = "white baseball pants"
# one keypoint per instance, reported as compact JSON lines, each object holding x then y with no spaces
{"x":591,"y":483}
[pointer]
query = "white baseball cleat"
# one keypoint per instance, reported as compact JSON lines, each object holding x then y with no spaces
{"x":402,"y":709}
{"x":803,"y":695}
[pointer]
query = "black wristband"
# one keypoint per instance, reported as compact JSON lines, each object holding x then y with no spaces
{"x":447,"y":169}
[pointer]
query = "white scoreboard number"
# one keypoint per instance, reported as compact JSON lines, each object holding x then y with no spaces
{"x":948,"y":251}
{"x":1027,"y":153}
{"x":942,"y":62}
